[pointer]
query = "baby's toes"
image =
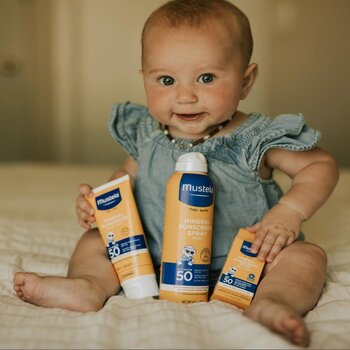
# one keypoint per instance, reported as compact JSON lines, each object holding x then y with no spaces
{"x":296,"y":331}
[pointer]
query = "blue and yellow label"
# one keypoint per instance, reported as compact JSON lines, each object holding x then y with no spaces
{"x":245,"y":249}
{"x":231,"y":281}
{"x":187,"y":238}
{"x":118,"y":249}
{"x":185,"y":274}
{"x":240,"y":275}
{"x":196,"y":190}
{"x":120,"y":227}
{"x":108,"y":200}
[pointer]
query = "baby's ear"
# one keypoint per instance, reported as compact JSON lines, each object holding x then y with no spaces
{"x":249,"y":79}
{"x":141,"y":72}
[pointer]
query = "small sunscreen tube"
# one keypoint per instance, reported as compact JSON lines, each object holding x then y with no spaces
{"x":241,"y":273}
{"x":120,"y":227}
{"x":187,"y":235}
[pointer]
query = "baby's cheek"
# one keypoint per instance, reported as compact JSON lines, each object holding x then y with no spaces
{"x":158,"y":107}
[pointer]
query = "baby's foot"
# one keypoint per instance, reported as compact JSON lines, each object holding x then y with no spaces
{"x":279,"y":318}
{"x":76,"y":294}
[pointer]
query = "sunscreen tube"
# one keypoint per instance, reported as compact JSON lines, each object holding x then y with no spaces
{"x":241,"y":273}
{"x":120,"y":226}
{"x":187,"y":233}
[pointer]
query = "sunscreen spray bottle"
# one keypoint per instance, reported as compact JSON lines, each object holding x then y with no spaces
{"x":187,"y":235}
{"x":120,"y":227}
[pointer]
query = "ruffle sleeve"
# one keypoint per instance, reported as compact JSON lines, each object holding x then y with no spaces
{"x":287,"y":131}
{"x":124,"y":122}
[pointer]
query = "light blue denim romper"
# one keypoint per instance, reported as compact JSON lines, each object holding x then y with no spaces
{"x":241,"y":195}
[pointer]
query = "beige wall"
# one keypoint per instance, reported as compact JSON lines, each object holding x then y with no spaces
{"x":24,"y":80}
{"x":78,"y":57}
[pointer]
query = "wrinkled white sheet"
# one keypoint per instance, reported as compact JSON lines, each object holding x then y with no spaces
{"x":38,"y":232}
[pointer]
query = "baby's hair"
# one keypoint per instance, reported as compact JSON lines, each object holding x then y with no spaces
{"x":194,"y":13}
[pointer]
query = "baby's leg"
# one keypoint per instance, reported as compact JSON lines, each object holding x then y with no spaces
{"x":91,"y":280}
{"x":291,"y":287}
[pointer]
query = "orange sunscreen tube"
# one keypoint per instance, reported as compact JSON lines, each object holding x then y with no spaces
{"x":120,"y":226}
{"x":241,"y":273}
{"x":187,"y":232}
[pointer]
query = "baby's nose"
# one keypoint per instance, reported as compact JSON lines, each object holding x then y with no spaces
{"x":186,"y":94}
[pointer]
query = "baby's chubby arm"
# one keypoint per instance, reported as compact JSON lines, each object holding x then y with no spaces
{"x":314,"y":175}
{"x":83,"y":209}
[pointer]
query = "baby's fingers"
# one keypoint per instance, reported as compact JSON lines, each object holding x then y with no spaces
{"x":280,"y":243}
{"x":85,"y":215}
{"x":84,"y":224}
{"x":84,"y":206}
{"x":85,"y":190}
{"x":259,"y":237}
{"x":82,"y":203}
{"x":84,"y":210}
{"x":268,"y":243}
{"x":85,"y":220}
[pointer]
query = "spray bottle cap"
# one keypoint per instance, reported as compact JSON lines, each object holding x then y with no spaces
{"x":192,"y":161}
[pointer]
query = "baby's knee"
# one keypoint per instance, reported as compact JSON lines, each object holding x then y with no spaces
{"x":311,"y":256}
{"x":315,"y":252}
{"x":92,"y":238}
{"x":91,"y":235}
{"x":320,"y":252}
{"x":93,"y":232}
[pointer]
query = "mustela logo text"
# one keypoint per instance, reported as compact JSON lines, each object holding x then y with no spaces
{"x":108,"y":200}
{"x":245,"y":249}
{"x":196,"y":190}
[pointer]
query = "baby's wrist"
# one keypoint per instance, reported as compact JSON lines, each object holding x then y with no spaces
{"x":297,"y":211}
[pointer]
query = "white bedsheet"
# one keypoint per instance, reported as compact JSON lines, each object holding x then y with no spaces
{"x":38,"y":232}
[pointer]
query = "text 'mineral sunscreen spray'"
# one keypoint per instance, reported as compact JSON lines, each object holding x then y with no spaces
{"x":187,"y":235}
{"x":120,"y":227}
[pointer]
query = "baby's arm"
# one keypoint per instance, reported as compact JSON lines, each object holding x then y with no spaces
{"x":84,"y":210}
{"x":314,"y":175}
{"x":129,"y":168}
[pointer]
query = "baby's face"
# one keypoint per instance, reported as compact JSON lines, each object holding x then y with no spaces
{"x":193,"y":77}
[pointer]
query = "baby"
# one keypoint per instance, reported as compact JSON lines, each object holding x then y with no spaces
{"x":196,"y":69}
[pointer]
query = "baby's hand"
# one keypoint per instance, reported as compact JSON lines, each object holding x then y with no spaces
{"x":83,"y":208}
{"x":279,"y":228}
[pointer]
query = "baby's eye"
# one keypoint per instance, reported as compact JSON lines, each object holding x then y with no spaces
{"x":166,"y":80}
{"x":206,"y":78}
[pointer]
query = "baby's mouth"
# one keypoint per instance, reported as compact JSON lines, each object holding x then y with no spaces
{"x":189,"y":116}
